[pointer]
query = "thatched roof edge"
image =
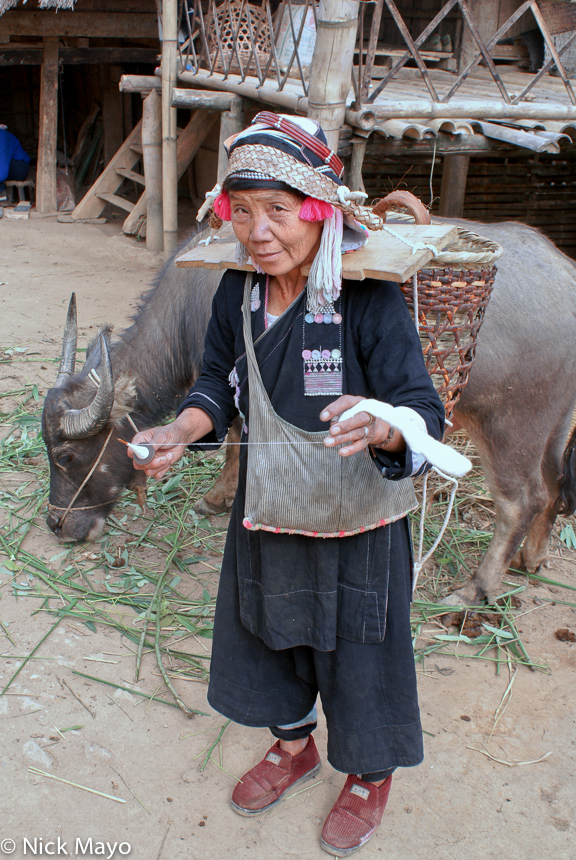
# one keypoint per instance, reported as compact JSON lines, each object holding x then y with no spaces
{"x":43,"y":4}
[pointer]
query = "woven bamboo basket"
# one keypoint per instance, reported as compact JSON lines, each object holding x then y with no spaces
{"x":453,"y":293}
{"x":239,"y":32}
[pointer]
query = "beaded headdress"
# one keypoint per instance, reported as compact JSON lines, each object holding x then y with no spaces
{"x":293,"y":150}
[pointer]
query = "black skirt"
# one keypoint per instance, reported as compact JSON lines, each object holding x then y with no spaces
{"x":368,"y":690}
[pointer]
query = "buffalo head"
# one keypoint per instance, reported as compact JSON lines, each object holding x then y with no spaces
{"x":82,"y":416}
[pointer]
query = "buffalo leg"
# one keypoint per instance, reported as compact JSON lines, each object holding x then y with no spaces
{"x":219,"y":498}
{"x":521,"y":496}
{"x":534,"y":551}
{"x":512,"y":522}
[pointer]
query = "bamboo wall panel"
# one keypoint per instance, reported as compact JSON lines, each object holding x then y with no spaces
{"x":538,"y":190}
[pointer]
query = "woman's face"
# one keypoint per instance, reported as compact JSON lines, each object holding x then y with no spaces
{"x":268,"y":224}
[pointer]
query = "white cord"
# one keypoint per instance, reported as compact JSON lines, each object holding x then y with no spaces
{"x":416,"y":246}
{"x":421,"y":561}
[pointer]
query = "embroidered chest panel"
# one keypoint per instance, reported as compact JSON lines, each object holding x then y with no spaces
{"x":322,"y":352}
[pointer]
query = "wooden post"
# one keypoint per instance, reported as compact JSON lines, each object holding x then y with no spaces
{"x":355,"y":181}
{"x":152,"y":158}
{"x":453,"y":188}
{"x":169,"y":156}
{"x":331,"y":69}
{"x":231,"y":122}
{"x":485,"y":14}
{"x":48,"y":130}
{"x":111,"y":111}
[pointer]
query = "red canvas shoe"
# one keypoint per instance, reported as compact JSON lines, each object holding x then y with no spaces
{"x":266,"y":784}
{"x":355,"y":816}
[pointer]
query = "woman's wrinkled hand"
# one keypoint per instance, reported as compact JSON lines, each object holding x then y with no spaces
{"x":171,"y":440}
{"x":360,"y":431}
{"x":168,"y":445}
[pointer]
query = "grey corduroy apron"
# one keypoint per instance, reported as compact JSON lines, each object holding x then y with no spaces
{"x":296,"y":485}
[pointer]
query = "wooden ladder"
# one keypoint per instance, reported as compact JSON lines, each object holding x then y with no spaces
{"x":120,"y":168}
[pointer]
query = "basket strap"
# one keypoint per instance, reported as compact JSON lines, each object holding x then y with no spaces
{"x":272,"y":120}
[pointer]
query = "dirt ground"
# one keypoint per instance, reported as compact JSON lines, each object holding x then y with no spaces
{"x":458,"y":804}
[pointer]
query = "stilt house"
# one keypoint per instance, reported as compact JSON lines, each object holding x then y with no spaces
{"x":468,"y":103}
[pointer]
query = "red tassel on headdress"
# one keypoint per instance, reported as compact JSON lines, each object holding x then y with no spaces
{"x":315,"y":210}
{"x":222,"y":206}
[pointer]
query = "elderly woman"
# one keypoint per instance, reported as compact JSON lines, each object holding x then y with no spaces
{"x":315,"y":591}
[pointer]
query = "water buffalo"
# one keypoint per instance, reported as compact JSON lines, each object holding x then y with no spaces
{"x":517,"y":406}
{"x":145,"y":374}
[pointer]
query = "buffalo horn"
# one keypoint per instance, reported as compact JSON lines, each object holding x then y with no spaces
{"x":81,"y":423}
{"x":68,"y":357}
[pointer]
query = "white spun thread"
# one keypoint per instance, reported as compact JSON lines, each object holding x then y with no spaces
{"x":415,"y":246}
{"x":421,"y":561}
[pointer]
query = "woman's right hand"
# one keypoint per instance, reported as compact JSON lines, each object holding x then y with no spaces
{"x":171,"y":440}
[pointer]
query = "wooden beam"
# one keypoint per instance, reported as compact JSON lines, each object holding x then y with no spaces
{"x":15,"y":56}
{"x":453,"y":188}
{"x":48,"y":130}
{"x":115,"y":25}
{"x":152,"y":158}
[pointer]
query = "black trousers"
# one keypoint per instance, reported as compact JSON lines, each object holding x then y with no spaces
{"x":368,"y":691}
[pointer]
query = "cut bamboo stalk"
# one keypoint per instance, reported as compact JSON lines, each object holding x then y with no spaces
{"x":355,"y":181}
{"x":37,"y":772}
{"x":202,"y":99}
{"x":287,"y":99}
{"x":332,"y":62}
{"x":152,"y":158}
{"x":139,"y":83}
{"x":231,"y":122}
{"x":169,"y":156}
{"x":471,"y":108}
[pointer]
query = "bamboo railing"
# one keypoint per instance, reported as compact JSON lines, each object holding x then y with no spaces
{"x":236,"y":45}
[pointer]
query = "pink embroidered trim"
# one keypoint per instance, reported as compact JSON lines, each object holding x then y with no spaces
{"x":248,"y":524}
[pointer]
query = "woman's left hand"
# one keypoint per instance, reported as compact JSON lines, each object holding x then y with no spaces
{"x":360,"y":431}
